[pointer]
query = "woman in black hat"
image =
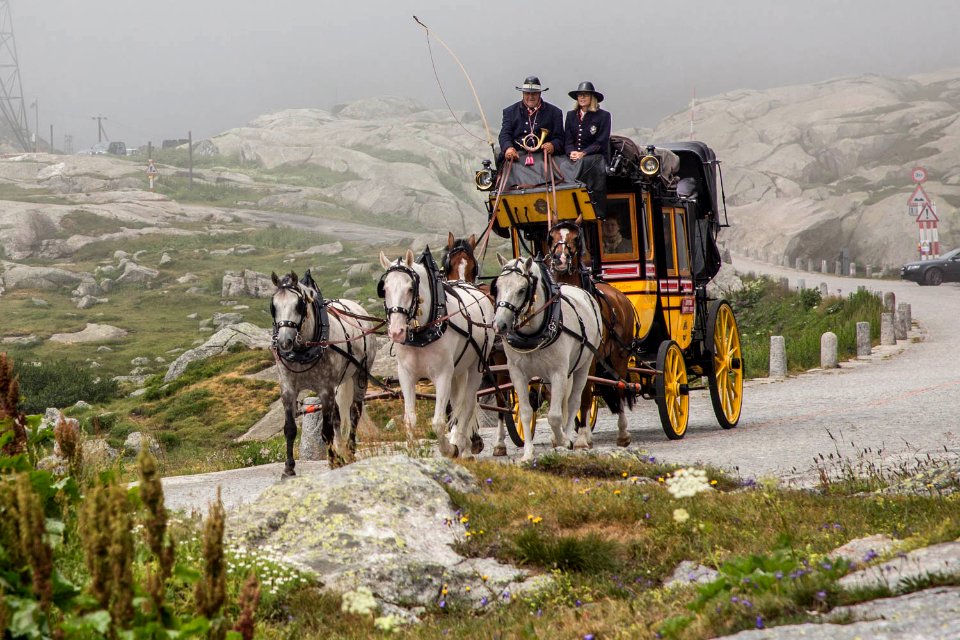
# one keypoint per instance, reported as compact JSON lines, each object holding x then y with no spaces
{"x":587,"y":142}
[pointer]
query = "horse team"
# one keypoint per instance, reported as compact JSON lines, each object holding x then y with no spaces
{"x":541,"y":318}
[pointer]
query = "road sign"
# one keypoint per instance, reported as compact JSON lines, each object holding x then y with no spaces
{"x":919,"y":175}
{"x":927,"y":214}
{"x":919,"y":198}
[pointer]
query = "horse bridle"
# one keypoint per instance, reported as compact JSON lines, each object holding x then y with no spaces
{"x":570,"y":251}
{"x":301,"y":309}
{"x":532,"y":282}
{"x":460,"y":246}
{"x":410,"y":312}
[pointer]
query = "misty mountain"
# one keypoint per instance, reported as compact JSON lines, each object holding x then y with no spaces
{"x":809,"y":170}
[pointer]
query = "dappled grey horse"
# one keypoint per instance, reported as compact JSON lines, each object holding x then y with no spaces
{"x":323,"y":346}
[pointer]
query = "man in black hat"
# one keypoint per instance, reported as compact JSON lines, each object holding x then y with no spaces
{"x":524,"y":122}
{"x":587,"y":142}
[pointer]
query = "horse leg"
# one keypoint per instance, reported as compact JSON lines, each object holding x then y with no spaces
{"x":289,"y":399}
{"x":465,"y":408}
{"x":330,"y":425}
{"x":344,"y":396}
{"x":559,"y":408}
{"x":408,"y":387}
{"x":584,"y":436}
{"x":578,"y":382}
{"x":526,"y":413}
{"x":443,"y":384}
{"x":500,"y":448}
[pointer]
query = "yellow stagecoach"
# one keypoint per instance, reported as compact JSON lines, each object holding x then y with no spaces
{"x":665,"y":202}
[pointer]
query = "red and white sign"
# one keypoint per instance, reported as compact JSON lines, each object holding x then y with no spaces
{"x":919,"y":175}
{"x":919,"y":198}
{"x":927,"y":214}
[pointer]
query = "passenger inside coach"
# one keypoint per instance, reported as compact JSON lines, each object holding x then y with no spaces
{"x":614,"y":240}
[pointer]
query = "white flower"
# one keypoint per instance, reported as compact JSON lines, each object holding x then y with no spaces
{"x":685,"y":483}
{"x":680,"y":515}
{"x":388,"y":623}
{"x":360,"y":602}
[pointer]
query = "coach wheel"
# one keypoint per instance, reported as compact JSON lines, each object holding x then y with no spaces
{"x":725,"y":375}
{"x":511,"y":419}
{"x":673,"y":394}
{"x":592,"y":417}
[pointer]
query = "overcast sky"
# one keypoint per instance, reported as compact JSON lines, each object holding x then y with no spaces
{"x":158,"y":68}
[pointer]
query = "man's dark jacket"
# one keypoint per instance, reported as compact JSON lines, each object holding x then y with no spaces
{"x":516,"y":125}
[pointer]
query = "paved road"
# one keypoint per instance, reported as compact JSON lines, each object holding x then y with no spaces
{"x":903,"y":401}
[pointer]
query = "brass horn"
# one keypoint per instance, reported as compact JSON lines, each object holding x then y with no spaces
{"x":531,"y":143}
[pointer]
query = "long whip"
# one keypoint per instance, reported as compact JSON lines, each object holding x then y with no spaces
{"x":466,"y":75}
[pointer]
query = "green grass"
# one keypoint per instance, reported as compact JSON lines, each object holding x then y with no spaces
{"x":764,"y":308}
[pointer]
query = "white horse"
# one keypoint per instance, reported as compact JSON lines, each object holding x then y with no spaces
{"x":551,"y":332}
{"x":325,"y":346}
{"x":442,"y":331}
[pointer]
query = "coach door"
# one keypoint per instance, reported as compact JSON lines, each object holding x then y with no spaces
{"x":676,"y":284}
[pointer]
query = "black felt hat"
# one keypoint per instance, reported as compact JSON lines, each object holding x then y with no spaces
{"x":532,"y":85}
{"x":586,"y":87}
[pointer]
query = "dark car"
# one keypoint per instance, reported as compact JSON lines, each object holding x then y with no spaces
{"x":946,"y":268}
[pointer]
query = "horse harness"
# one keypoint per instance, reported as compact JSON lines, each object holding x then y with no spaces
{"x":421,"y":335}
{"x":461,"y":246}
{"x":309,"y":355}
{"x":552,"y":325}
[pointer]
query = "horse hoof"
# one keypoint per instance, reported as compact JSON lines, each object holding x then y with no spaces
{"x":476,"y":444}
{"x":455,"y":452}
{"x":623,"y":441}
{"x":288,"y":473}
{"x":500,"y":450}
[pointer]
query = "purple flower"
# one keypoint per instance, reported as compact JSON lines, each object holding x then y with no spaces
{"x":448,"y":479}
{"x":506,"y":595}
{"x":489,"y":480}
{"x":759,"y":622}
{"x":578,"y":603}
{"x":734,"y":599}
{"x":483,"y":601}
{"x":870,"y":555}
{"x":443,"y":603}
{"x":826,"y":566}
{"x":539,"y":612}
{"x":821,"y":595}
{"x":778,"y":575}
{"x":746,"y":603}
{"x":646,"y":516}
{"x":589,"y":636}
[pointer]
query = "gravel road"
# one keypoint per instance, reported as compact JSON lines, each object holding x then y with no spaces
{"x":901,"y":403}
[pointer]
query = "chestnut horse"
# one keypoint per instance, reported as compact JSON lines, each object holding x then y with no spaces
{"x":567,"y":255}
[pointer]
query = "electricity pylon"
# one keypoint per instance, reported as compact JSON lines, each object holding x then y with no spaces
{"x":11,"y":91}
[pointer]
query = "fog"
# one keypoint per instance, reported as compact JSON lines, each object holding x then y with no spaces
{"x":156,"y":69}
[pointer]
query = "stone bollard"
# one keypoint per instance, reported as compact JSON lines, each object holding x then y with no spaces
{"x":853,"y":269}
{"x":889,"y":302}
{"x":311,"y":448}
{"x":823,"y":267}
{"x":902,"y":321}
{"x":828,"y":351}
{"x":887,"y":333}
{"x":863,"y":339}
{"x":823,"y":290}
{"x":869,"y":270}
{"x":799,"y":264}
{"x":905,"y":311}
{"x":778,"y":357}
{"x":838,"y":268}
{"x":801,"y":284}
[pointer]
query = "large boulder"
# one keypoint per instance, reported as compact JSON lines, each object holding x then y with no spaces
{"x":136,"y":274}
{"x":385,"y":523}
{"x":20,"y":276}
{"x":246,"y":283}
{"x":91,"y":333}
{"x":245,"y":333}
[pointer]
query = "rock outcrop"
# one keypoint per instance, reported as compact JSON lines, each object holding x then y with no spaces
{"x":245,"y":333}
{"x":384,"y":523}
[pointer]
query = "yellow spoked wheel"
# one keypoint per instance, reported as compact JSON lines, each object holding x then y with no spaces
{"x":512,"y":419}
{"x":726,"y":375}
{"x":673,"y":394}
{"x":591,"y":418}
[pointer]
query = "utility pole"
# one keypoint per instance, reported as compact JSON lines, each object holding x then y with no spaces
{"x":190,"y":155}
{"x":99,"y":120}
{"x":68,"y":144}
{"x":11,"y":91}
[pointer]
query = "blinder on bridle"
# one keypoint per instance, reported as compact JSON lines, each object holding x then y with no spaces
{"x":461,"y":246}
{"x":411,"y":311}
{"x":532,"y":282}
{"x":287,"y":285}
{"x":574,"y":251}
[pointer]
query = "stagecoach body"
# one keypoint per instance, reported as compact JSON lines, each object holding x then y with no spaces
{"x":670,"y":225}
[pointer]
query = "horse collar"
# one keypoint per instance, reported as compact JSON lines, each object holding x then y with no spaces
{"x":550,"y":327}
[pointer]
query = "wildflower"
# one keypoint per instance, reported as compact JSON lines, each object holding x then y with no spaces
{"x":483,"y":601}
{"x":616,"y":492}
{"x":624,"y":474}
{"x":387,"y":623}
{"x":821,"y":595}
{"x":680,"y":515}
{"x":489,"y":481}
{"x":464,"y":519}
{"x":778,"y":575}
{"x":467,"y":588}
{"x":360,"y":602}
{"x":443,"y":604}
{"x":870,"y":555}
{"x":685,"y":483}
{"x":589,"y":636}
{"x":713,"y":483}
{"x":759,"y":622}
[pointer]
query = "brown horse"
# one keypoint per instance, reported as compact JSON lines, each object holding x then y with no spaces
{"x":460,"y":263}
{"x":567,"y":255}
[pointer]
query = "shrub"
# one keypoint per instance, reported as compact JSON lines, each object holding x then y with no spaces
{"x":60,"y":384}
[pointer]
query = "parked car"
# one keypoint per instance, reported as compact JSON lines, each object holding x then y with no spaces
{"x":932,"y":272}
{"x":117,"y":148}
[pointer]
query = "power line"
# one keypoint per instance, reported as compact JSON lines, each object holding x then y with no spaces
{"x":101,"y":132}
{"x":11,"y":89}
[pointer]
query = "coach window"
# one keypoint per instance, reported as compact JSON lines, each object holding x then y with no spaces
{"x":618,"y":231}
{"x":683,"y":251}
{"x":668,"y":253}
